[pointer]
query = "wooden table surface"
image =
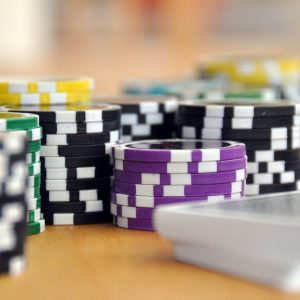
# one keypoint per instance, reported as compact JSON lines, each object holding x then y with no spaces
{"x":104,"y":262}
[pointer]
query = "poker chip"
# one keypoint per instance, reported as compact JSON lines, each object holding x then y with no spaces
{"x":36,"y":227}
{"x":237,"y":123}
{"x":74,"y":150}
{"x":274,"y":178}
{"x":33,"y":192}
{"x":33,"y":204}
{"x":18,"y":121}
{"x":248,"y":134}
{"x":81,"y":139}
{"x":182,"y":167}
{"x":270,"y":132}
{"x":76,"y":113}
{"x":32,"y":158}
{"x":273,"y":167}
{"x":179,"y":151}
{"x":75,"y":128}
{"x":73,"y":207}
{"x":34,"y":169}
{"x":131,"y":212}
{"x":257,"y":189}
{"x":34,"y":134}
{"x":33,"y":215}
{"x":43,"y":98}
{"x":77,"y":218}
{"x":152,"y":202}
{"x":273,"y":155}
{"x":75,"y":184}
{"x":34,"y":181}
{"x":34,"y":146}
{"x":78,"y":161}
{"x":138,"y":224}
{"x":154,"y":172}
{"x":45,"y":85}
{"x":145,"y":116}
{"x":76,"y":195}
{"x":76,"y":173}
{"x":13,"y":264}
{"x":179,"y":179}
{"x":238,"y":109}
{"x":13,"y":178}
{"x":178,"y":190}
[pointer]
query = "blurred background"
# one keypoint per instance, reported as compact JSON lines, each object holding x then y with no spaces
{"x":115,"y":40}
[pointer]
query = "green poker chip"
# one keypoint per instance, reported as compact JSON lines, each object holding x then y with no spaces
{"x":34,"y":169}
{"x":33,"y":215}
{"x":34,"y":203}
{"x":34,"y":157}
{"x":34,"y":192}
{"x":36,"y":227}
{"x":34,"y":134}
{"x":18,"y":121}
{"x":34,"y":181}
{"x":34,"y":146}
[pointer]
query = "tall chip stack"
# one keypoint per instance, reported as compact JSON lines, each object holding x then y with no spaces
{"x":271,"y":133}
{"x":76,"y":161}
{"x":29,"y":125}
{"x":154,"y":172}
{"x":13,"y":208}
{"x":145,"y":117}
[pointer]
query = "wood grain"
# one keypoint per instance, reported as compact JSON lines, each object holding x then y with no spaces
{"x":104,"y":262}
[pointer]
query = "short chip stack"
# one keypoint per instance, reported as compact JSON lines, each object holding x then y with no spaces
{"x":145,"y":117}
{"x":29,"y":124}
{"x":13,"y":206}
{"x":76,"y":161}
{"x":154,"y":172}
{"x":45,"y":90}
{"x":271,"y":133}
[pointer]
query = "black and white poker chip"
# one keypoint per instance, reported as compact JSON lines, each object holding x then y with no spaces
{"x":239,"y":109}
{"x":273,"y":178}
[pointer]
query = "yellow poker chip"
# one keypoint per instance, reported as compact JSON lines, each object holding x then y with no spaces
{"x":253,"y":70}
{"x":45,"y":85}
{"x":44,"y":98}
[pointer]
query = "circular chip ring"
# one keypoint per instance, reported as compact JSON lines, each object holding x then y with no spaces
{"x":175,"y":150}
{"x":18,"y":121}
{"x":89,"y":112}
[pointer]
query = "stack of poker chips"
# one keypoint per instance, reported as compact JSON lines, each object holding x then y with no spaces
{"x":255,"y":70}
{"x":145,"y":117}
{"x":76,"y":161}
{"x":13,"y":206}
{"x":154,"y":172}
{"x":29,"y":124}
{"x":271,"y":133}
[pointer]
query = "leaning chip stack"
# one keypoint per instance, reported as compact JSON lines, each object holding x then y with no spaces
{"x":13,"y":206}
{"x":76,"y":161}
{"x":271,"y":133}
{"x":145,"y":117}
{"x":154,"y":172}
{"x":29,"y":125}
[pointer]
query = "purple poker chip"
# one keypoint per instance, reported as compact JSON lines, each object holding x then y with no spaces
{"x":138,"y":224}
{"x":131,"y":212}
{"x":181,"y":167}
{"x":180,"y":179}
{"x":178,"y":190}
{"x":176,"y":150}
{"x":151,"y":202}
